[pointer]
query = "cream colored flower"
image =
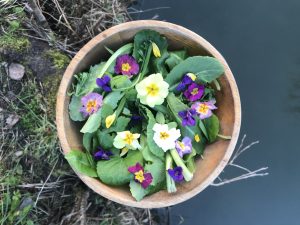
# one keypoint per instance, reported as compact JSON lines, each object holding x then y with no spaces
{"x":164,"y":137}
{"x":156,"y":51}
{"x":152,"y":90}
{"x":110,"y":120}
{"x":127,"y":139}
{"x":192,"y":76}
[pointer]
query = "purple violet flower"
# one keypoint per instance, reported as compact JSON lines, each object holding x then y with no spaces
{"x":101,"y":154}
{"x":91,"y":103}
{"x":184,"y":147}
{"x":176,"y":173}
{"x":104,"y":83}
{"x":140,"y":176}
{"x":194,"y":92}
{"x":186,"y":80}
{"x":187,"y":117}
{"x":204,"y":109}
{"x":126,"y":65}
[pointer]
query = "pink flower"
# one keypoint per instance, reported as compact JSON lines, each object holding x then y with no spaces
{"x":140,"y":176}
{"x":126,"y":65}
{"x":91,"y":103}
{"x":204,"y":109}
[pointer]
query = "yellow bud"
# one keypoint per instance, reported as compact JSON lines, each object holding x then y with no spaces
{"x":110,"y":120}
{"x":197,"y":138}
{"x":156,"y":51}
{"x":124,"y":151}
{"x":192,"y":76}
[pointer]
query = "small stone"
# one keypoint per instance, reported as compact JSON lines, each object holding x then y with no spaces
{"x":18,"y":153}
{"x":11,"y":120}
{"x":16,"y":71}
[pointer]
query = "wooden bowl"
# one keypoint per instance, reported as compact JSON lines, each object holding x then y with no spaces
{"x":216,"y":155}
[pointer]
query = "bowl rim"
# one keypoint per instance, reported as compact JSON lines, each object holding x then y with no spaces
{"x":147,"y":24}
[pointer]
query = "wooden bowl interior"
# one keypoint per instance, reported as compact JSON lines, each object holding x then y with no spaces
{"x":93,"y":53}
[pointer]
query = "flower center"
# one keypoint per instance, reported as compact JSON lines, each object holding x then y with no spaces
{"x":164,"y":135}
{"x":139,"y":176}
{"x":194,"y":91}
{"x":152,"y":89}
{"x":181,"y":144}
{"x":203,"y":109}
{"x":91,"y":105}
{"x":126,"y":67}
{"x":129,"y":138}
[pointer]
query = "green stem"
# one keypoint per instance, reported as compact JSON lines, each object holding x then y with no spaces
{"x":217,"y":84}
{"x":171,"y":187}
{"x":224,"y":137}
{"x":120,"y":51}
{"x":188,"y":176}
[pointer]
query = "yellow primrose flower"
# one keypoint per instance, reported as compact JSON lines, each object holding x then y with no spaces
{"x":152,"y":90}
{"x":110,"y":120}
{"x":197,"y":138}
{"x":192,"y":76}
{"x":156,"y":51}
{"x":124,"y":151}
{"x":127,"y":139}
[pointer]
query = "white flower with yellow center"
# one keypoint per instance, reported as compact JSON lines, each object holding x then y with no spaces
{"x":127,"y":139}
{"x":164,"y":137}
{"x":152,"y":90}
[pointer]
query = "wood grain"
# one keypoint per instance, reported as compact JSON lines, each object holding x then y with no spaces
{"x":216,"y":155}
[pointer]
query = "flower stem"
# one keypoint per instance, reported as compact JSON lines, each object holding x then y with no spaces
{"x":188,"y":176}
{"x":171,"y":187}
{"x":224,"y":137}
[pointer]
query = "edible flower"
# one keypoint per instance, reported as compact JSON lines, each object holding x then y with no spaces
{"x":102,"y":154}
{"x":184,"y":147}
{"x":176,"y":173}
{"x":156,"y":51}
{"x":204,"y":109}
{"x":187,"y":117}
{"x":109,"y":120}
{"x":104,"y":83}
{"x":152,"y":90}
{"x":164,"y":137}
{"x":197,"y":138}
{"x":91,"y":103}
{"x":140,"y":176}
{"x":194,"y":92}
{"x":186,"y":80}
{"x":126,"y":65}
{"x":127,"y":139}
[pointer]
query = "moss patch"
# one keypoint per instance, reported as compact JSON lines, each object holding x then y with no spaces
{"x":60,"y":60}
{"x":10,"y":41}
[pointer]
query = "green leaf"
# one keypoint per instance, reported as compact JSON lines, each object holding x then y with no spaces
{"x":158,"y":64}
{"x":90,"y":83}
{"x":113,"y":98}
{"x":133,"y":157}
{"x":203,"y":129}
{"x":105,"y":140}
{"x":150,"y":133}
{"x":113,"y":171}
{"x":190,"y":161}
{"x":120,"y":81}
{"x":137,"y":191}
{"x":157,"y":170}
{"x":93,"y":123}
{"x":212,"y":125}
{"x":106,"y":110}
{"x":120,"y":125}
{"x":74,"y":109}
{"x":80,"y":162}
{"x":160,"y":118}
{"x":175,"y":58}
{"x":143,"y":39}
{"x":172,"y":125}
{"x":205,"y":68}
{"x":176,"y":106}
{"x":87,"y":141}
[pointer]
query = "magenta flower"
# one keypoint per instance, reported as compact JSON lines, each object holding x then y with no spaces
{"x":176,"y":173}
{"x":140,"y":176}
{"x":104,"y":83}
{"x":187,"y":117}
{"x":184,"y":147}
{"x":126,"y":65}
{"x":102,"y":154}
{"x":186,"y":80}
{"x":194,"y":92}
{"x":91,"y":103}
{"x":204,"y":109}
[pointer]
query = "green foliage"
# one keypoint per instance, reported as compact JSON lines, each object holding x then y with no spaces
{"x":158,"y":64}
{"x":120,"y":124}
{"x":113,"y":98}
{"x":13,"y":42}
{"x":153,"y":147}
{"x":205,"y":68}
{"x":133,"y":157}
{"x":137,"y":191}
{"x":160,"y":118}
{"x":113,"y":171}
{"x":175,"y":58}
{"x":157,"y":170}
{"x":93,"y":122}
{"x":176,"y":106}
{"x":74,"y":109}
{"x":60,"y":60}
{"x":212,"y":125}
{"x":120,"y":81}
{"x":81,"y":162}
{"x":105,"y":139}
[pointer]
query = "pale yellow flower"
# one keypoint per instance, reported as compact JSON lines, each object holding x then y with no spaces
{"x":109,"y":120}
{"x":156,"y":51}
{"x":192,"y":76}
{"x":127,"y":139}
